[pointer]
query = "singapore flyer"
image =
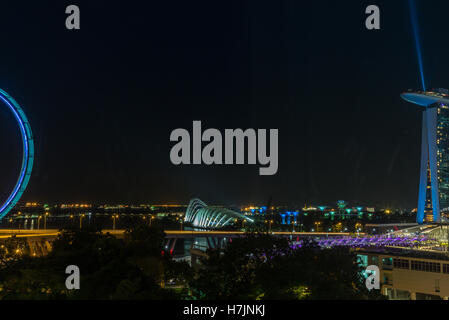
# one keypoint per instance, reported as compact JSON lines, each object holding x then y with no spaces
{"x":27,"y":154}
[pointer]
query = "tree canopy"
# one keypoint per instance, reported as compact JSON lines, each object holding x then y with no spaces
{"x":257,"y":266}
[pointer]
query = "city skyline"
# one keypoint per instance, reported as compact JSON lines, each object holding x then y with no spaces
{"x":199,"y":154}
{"x":102,"y":134}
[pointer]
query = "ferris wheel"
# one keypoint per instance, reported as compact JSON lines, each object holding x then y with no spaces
{"x":27,"y":154}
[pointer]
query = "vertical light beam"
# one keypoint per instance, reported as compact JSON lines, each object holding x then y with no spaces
{"x":414,"y":19}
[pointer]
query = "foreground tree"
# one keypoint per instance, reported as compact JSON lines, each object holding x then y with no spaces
{"x":266,"y":267}
{"x":111,"y":268}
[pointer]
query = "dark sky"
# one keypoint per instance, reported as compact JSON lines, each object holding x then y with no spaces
{"x":102,"y":101}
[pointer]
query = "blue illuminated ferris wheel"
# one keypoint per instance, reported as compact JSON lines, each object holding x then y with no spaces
{"x":27,"y":155}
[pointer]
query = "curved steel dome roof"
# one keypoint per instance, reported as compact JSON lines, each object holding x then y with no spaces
{"x":204,"y":216}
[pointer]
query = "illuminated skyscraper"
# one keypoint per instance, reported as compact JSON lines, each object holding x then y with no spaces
{"x":434,"y":173}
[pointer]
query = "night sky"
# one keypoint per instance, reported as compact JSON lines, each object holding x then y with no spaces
{"x":102,"y":101}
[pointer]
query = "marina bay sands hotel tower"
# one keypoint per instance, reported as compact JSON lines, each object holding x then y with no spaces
{"x":434,"y":173}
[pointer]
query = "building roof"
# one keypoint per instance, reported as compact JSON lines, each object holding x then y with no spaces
{"x":426,"y":98}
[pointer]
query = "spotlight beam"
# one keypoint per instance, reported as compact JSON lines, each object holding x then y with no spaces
{"x":414,"y":19}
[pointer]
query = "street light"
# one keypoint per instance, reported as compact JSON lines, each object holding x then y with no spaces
{"x":81,"y":220}
{"x":45,"y":220}
{"x":113,"y":219}
{"x":269,"y":225}
{"x":19,"y":213}
{"x":38,"y":221}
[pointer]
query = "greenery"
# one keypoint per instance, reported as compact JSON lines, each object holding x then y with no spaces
{"x":111,"y":268}
{"x":258,"y":266}
{"x":261,"y":266}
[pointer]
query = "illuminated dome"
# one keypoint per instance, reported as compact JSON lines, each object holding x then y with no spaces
{"x":203,"y":216}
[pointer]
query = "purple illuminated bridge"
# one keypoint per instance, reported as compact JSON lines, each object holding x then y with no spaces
{"x":371,"y":241}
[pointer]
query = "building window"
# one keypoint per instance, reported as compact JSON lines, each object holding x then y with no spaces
{"x":445,"y":268}
{"x":425,"y":266}
{"x":387,"y":280}
{"x":401,"y":264}
{"x":363,"y":260}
